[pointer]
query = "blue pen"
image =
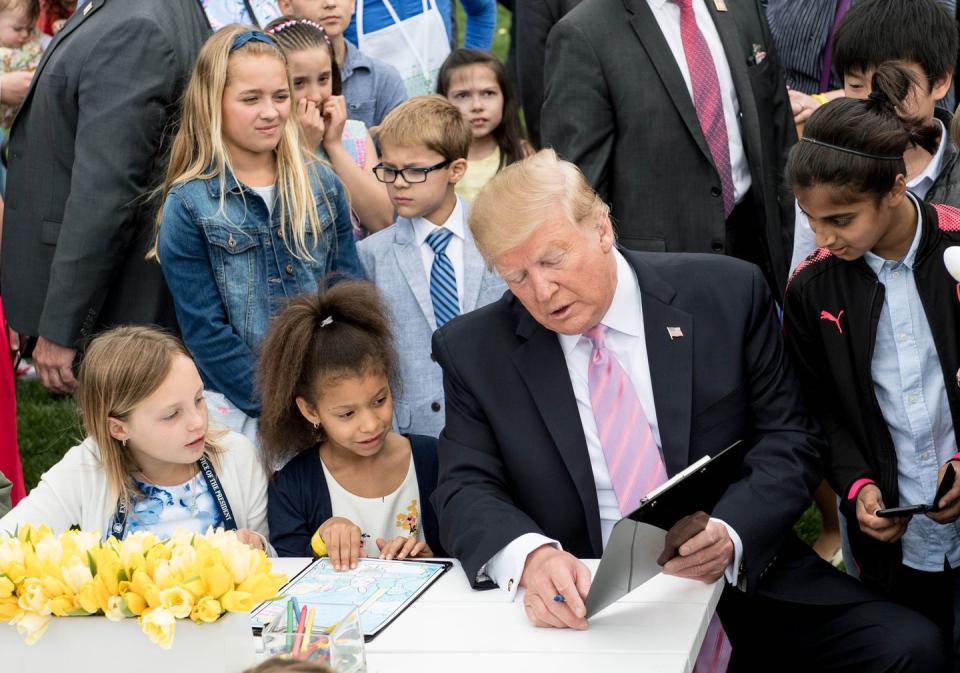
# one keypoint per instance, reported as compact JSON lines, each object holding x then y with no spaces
{"x":296,"y":605}
{"x":559,"y":599}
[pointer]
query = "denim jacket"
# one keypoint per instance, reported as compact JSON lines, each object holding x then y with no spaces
{"x":229,"y":272}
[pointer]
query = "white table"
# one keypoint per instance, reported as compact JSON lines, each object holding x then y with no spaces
{"x":656,"y":629}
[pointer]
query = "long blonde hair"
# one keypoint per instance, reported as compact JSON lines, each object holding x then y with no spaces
{"x":198,"y":150}
{"x":120,"y":369}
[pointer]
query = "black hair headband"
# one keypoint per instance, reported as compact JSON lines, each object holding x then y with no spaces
{"x":858,"y":153}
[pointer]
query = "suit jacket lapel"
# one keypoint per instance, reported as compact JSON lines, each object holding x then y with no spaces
{"x":645,"y":25}
{"x":671,"y":364}
{"x":82,"y":14}
{"x":411,"y":266}
{"x":473,"y":267}
{"x":542,"y":366}
{"x":737,"y":60}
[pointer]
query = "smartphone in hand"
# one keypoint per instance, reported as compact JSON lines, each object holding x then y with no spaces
{"x":949,"y":477}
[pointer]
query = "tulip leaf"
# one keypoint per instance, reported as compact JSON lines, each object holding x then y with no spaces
{"x":92,"y":564}
{"x":122,"y":575}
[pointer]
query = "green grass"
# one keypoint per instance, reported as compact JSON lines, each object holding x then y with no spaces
{"x":46,"y":427}
{"x":501,"y":34}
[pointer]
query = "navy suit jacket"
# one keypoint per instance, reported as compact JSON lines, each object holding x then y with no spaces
{"x":513,"y":457}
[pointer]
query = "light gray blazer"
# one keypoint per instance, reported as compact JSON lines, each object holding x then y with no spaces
{"x":391,"y":260}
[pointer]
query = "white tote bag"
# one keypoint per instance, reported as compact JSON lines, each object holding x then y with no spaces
{"x":416,"y":46}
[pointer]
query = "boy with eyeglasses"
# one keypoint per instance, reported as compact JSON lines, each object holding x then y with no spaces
{"x":426,"y":266}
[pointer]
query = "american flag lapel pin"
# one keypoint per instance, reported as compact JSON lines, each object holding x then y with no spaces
{"x":674,"y":333}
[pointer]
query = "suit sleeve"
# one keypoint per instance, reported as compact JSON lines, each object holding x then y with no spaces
{"x":577,"y":119}
{"x":120,"y":124}
{"x":783,"y":466}
{"x":843,"y":461}
{"x":534,"y":22}
{"x":477,"y":516}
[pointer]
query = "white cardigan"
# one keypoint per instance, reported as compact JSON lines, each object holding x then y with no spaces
{"x":74,"y":492}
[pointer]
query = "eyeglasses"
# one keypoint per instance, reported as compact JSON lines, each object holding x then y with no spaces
{"x":410,"y":175}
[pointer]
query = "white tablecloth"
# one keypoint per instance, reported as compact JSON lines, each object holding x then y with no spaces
{"x":656,"y":629}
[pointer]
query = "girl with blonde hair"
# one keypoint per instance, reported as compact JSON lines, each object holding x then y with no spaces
{"x":250,"y":218}
{"x":149,"y":461}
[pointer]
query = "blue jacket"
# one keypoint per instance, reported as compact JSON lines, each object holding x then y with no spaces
{"x":229,"y":271}
{"x":298,"y":499}
{"x":481,"y":19}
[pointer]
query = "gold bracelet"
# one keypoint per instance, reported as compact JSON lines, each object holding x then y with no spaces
{"x":820,"y":98}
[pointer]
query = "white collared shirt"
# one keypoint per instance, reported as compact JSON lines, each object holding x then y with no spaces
{"x":627,"y":342}
{"x":804,"y":238}
{"x":667,"y":14}
{"x":423,"y":228}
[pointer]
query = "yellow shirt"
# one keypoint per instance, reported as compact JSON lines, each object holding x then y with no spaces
{"x":478,"y":174}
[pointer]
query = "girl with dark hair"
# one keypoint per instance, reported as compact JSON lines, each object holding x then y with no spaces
{"x":352,"y":484}
{"x":322,"y":112}
{"x":477,"y":83}
{"x":872,"y":320}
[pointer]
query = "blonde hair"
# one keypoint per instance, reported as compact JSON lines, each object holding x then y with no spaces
{"x":120,"y":369}
{"x":527,"y":193}
{"x":431,"y":121}
{"x":198,"y":150}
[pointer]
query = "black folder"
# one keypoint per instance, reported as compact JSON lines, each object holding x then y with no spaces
{"x":626,"y":560}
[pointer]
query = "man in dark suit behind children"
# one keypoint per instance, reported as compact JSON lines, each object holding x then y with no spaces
{"x":677,"y":112}
{"x":85,"y":151}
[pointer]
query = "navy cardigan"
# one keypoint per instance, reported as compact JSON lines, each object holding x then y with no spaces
{"x":299,"y":500}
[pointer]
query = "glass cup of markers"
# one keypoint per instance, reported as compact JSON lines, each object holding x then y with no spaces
{"x":327,"y":633}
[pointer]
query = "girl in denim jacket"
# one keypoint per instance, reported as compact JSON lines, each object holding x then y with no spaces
{"x":250,"y":219}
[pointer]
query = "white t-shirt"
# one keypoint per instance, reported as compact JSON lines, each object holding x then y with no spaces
{"x":389,"y":516}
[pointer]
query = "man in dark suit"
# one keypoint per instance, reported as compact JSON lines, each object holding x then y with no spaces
{"x":527,"y":484}
{"x":633,"y":89}
{"x":85,"y":151}
{"x":534,"y":19}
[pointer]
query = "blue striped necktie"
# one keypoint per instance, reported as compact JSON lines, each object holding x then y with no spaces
{"x":443,"y":281}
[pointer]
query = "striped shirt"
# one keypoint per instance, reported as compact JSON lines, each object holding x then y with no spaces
{"x":801,"y":29}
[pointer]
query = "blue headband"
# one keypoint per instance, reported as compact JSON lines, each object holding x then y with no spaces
{"x":243,"y":38}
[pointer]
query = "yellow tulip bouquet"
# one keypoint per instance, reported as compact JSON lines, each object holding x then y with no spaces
{"x":76,"y":573}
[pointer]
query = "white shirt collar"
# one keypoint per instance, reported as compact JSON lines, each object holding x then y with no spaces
{"x":423,"y":227}
{"x":932,"y":170}
{"x":625,"y":314}
{"x":658,"y":4}
{"x":876,"y":262}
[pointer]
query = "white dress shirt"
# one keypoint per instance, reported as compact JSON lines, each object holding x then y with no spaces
{"x":667,"y":14}
{"x":423,"y":228}
{"x":804,"y":238}
{"x":626,"y":341}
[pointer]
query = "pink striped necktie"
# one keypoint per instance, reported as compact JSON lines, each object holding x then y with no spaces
{"x":634,"y":461}
{"x":633,"y":458}
{"x":706,"y":99}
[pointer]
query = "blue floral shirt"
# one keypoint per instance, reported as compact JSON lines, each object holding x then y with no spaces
{"x":163,"y":509}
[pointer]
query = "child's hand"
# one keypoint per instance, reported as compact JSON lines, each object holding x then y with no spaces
{"x":334,"y":116}
{"x":344,"y":544}
{"x":402,"y":547}
{"x":311,"y":121}
{"x":869,"y":501}
{"x":14,"y":86}
{"x":950,"y":503}
{"x":248,"y":537}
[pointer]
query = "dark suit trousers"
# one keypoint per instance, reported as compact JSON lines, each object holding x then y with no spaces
{"x":868,"y":637}
{"x":746,"y":239}
{"x":935,"y":595}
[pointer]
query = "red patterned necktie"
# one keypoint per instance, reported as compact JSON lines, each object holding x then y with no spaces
{"x":706,"y":98}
